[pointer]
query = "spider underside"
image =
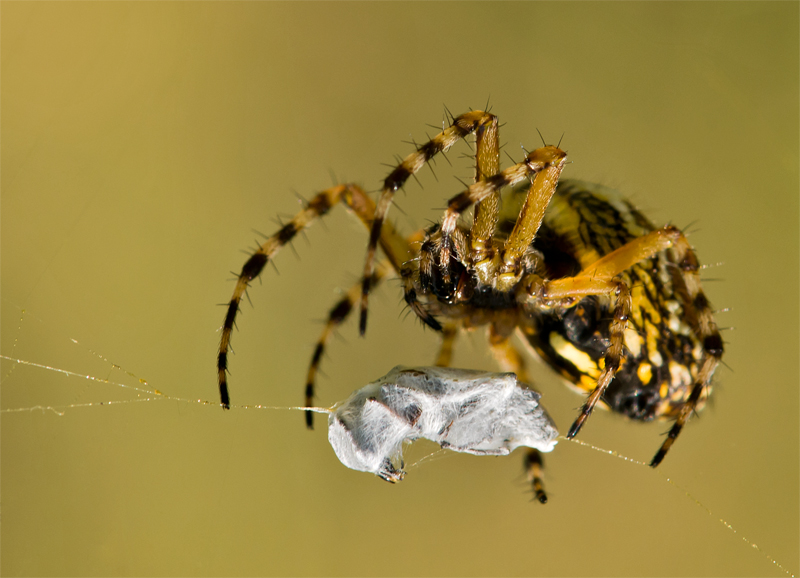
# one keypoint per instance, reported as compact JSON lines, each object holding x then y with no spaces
{"x":609,"y":301}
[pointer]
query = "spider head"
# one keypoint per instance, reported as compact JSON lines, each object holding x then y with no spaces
{"x":443,"y":267}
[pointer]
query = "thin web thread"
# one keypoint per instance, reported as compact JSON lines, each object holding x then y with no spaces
{"x":157,"y":395}
{"x":688,"y":495}
{"x":16,"y":340}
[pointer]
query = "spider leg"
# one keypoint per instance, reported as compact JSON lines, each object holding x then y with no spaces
{"x":597,"y":279}
{"x":407,"y":274}
{"x":616,"y":334}
{"x":462,"y":126}
{"x":549,"y":159}
{"x":338,"y":314}
{"x":506,"y":355}
{"x":687,"y":281}
{"x":487,"y":163}
{"x":394,"y":246}
{"x":445,"y":356}
{"x":527,"y":225}
{"x":448,"y":242}
{"x":534,"y":468}
{"x":509,"y":359}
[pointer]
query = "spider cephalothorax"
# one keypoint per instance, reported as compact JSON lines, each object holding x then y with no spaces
{"x":447,"y":270}
{"x":585,"y":281}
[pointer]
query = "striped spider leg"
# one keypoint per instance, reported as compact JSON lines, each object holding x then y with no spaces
{"x":509,"y":359}
{"x":452,"y":260}
{"x":605,"y":298}
{"x":485,"y":126}
{"x":600,"y":277}
{"x":354,"y":199}
{"x":510,"y":285}
{"x":671,"y":346}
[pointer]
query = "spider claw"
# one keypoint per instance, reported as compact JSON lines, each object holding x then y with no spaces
{"x":576,"y":427}
{"x":658,"y":458}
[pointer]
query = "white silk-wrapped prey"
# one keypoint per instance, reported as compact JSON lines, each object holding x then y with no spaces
{"x":476,"y":412}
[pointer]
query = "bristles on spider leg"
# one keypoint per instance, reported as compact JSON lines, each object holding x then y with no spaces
{"x":448,"y":114}
{"x":337,"y":315}
{"x":544,"y":159}
{"x":461,"y":127}
{"x":700,"y":317}
{"x":253,"y":267}
{"x":613,"y":356}
{"x":676,"y":428}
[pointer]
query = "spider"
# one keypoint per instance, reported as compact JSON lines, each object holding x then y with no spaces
{"x":608,"y":300}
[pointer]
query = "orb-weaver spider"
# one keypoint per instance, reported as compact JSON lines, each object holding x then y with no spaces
{"x":588,"y":283}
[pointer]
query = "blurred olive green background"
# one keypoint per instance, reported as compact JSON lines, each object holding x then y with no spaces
{"x":143,"y":142}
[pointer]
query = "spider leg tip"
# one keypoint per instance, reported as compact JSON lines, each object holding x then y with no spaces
{"x":573,"y":431}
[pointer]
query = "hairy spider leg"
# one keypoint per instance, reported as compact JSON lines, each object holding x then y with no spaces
{"x":530,"y":218}
{"x":338,"y":314}
{"x":510,"y":359}
{"x":462,"y":126}
{"x":543,"y":166}
{"x":537,"y":161}
{"x":487,"y":212}
{"x":616,"y":335}
{"x":597,"y":279}
{"x":355,"y":199}
{"x":687,"y":282}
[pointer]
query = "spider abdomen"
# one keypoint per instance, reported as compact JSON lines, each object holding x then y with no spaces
{"x":663,"y":355}
{"x":608,"y":300}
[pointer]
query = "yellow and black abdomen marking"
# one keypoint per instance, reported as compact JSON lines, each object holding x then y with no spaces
{"x":663,"y":353}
